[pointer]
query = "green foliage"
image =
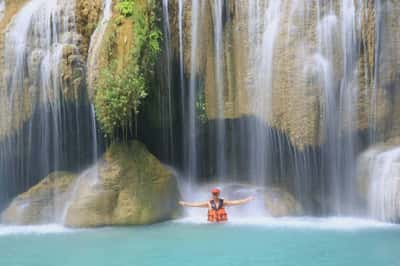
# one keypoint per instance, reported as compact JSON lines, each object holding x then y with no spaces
{"x":126,"y":7}
{"x":119,"y":96}
{"x":201,"y":109}
{"x":118,"y":20}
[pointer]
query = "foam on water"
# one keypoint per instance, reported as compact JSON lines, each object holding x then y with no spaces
{"x":34,"y":229}
{"x":330,"y":223}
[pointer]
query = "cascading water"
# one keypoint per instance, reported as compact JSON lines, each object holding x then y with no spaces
{"x":96,"y":39}
{"x":264,"y":22}
{"x":384,"y":185}
{"x":190,"y":118}
{"x":167,"y":92}
{"x":338,"y":152}
{"x":300,"y":70}
{"x":2,"y":8}
{"x":46,"y":120}
{"x":292,"y":91}
{"x":219,"y":87}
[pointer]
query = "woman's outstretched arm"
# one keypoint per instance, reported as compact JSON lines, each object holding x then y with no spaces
{"x":194,"y":204}
{"x":237,"y":202}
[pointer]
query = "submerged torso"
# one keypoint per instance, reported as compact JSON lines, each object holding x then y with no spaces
{"x":216,"y":211}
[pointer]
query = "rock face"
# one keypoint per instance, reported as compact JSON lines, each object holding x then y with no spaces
{"x":43,"y":203}
{"x":132,"y":187}
{"x":278,"y":58}
{"x":88,"y":13}
{"x":378,"y":179}
{"x":66,"y":62}
{"x":116,"y":43}
{"x":279,"y":203}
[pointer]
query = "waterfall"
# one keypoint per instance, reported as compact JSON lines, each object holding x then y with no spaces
{"x":384,"y":185}
{"x":374,"y":86}
{"x":166,"y":94}
{"x":193,"y":90}
{"x":339,"y":105}
{"x":95,"y":41}
{"x":290,"y":89}
{"x":264,"y":23}
{"x":45,"y":123}
{"x":2,"y":8}
{"x":219,"y":86}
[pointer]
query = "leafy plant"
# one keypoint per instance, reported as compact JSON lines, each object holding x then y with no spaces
{"x":201,"y":109}
{"x":126,"y":7}
{"x":119,"y":96}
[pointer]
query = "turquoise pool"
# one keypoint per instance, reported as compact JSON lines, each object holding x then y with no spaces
{"x":275,"y":242}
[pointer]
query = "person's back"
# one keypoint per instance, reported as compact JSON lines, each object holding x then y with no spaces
{"x":216,"y":206}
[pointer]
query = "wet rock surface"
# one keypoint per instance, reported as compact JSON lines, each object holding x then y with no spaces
{"x":132,"y":187}
{"x":42,"y":204}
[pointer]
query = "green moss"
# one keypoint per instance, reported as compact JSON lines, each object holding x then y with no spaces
{"x":119,"y":96}
{"x":201,"y":107}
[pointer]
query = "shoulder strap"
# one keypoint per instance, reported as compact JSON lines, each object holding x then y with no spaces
{"x":213,"y":205}
{"x":221,"y":203}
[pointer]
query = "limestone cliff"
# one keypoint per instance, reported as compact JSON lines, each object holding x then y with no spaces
{"x":27,"y":91}
{"x":289,"y":91}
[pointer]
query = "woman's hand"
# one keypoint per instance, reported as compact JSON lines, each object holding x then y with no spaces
{"x":182,"y":203}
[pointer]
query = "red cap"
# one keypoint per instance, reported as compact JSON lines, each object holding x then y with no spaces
{"x":215,"y":191}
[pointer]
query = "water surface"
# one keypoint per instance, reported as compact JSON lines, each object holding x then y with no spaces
{"x":277,"y":242}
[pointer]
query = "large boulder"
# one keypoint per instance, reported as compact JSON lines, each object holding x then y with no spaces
{"x":129,"y":186}
{"x":43,"y":203}
{"x":279,"y":203}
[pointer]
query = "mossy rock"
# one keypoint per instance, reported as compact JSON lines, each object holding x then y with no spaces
{"x":132,"y":188}
{"x":43,"y":203}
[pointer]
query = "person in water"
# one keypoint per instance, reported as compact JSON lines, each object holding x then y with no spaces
{"x":216,"y":206}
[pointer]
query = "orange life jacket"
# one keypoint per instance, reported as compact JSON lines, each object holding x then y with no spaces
{"x":217,"y":214}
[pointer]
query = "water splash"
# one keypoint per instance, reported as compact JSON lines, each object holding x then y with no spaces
{"x":35,"y":230}
{"x":86,"y":180}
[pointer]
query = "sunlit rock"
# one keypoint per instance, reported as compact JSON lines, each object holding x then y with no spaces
{"x":132,"y":187}
{"x":128,"y":186}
